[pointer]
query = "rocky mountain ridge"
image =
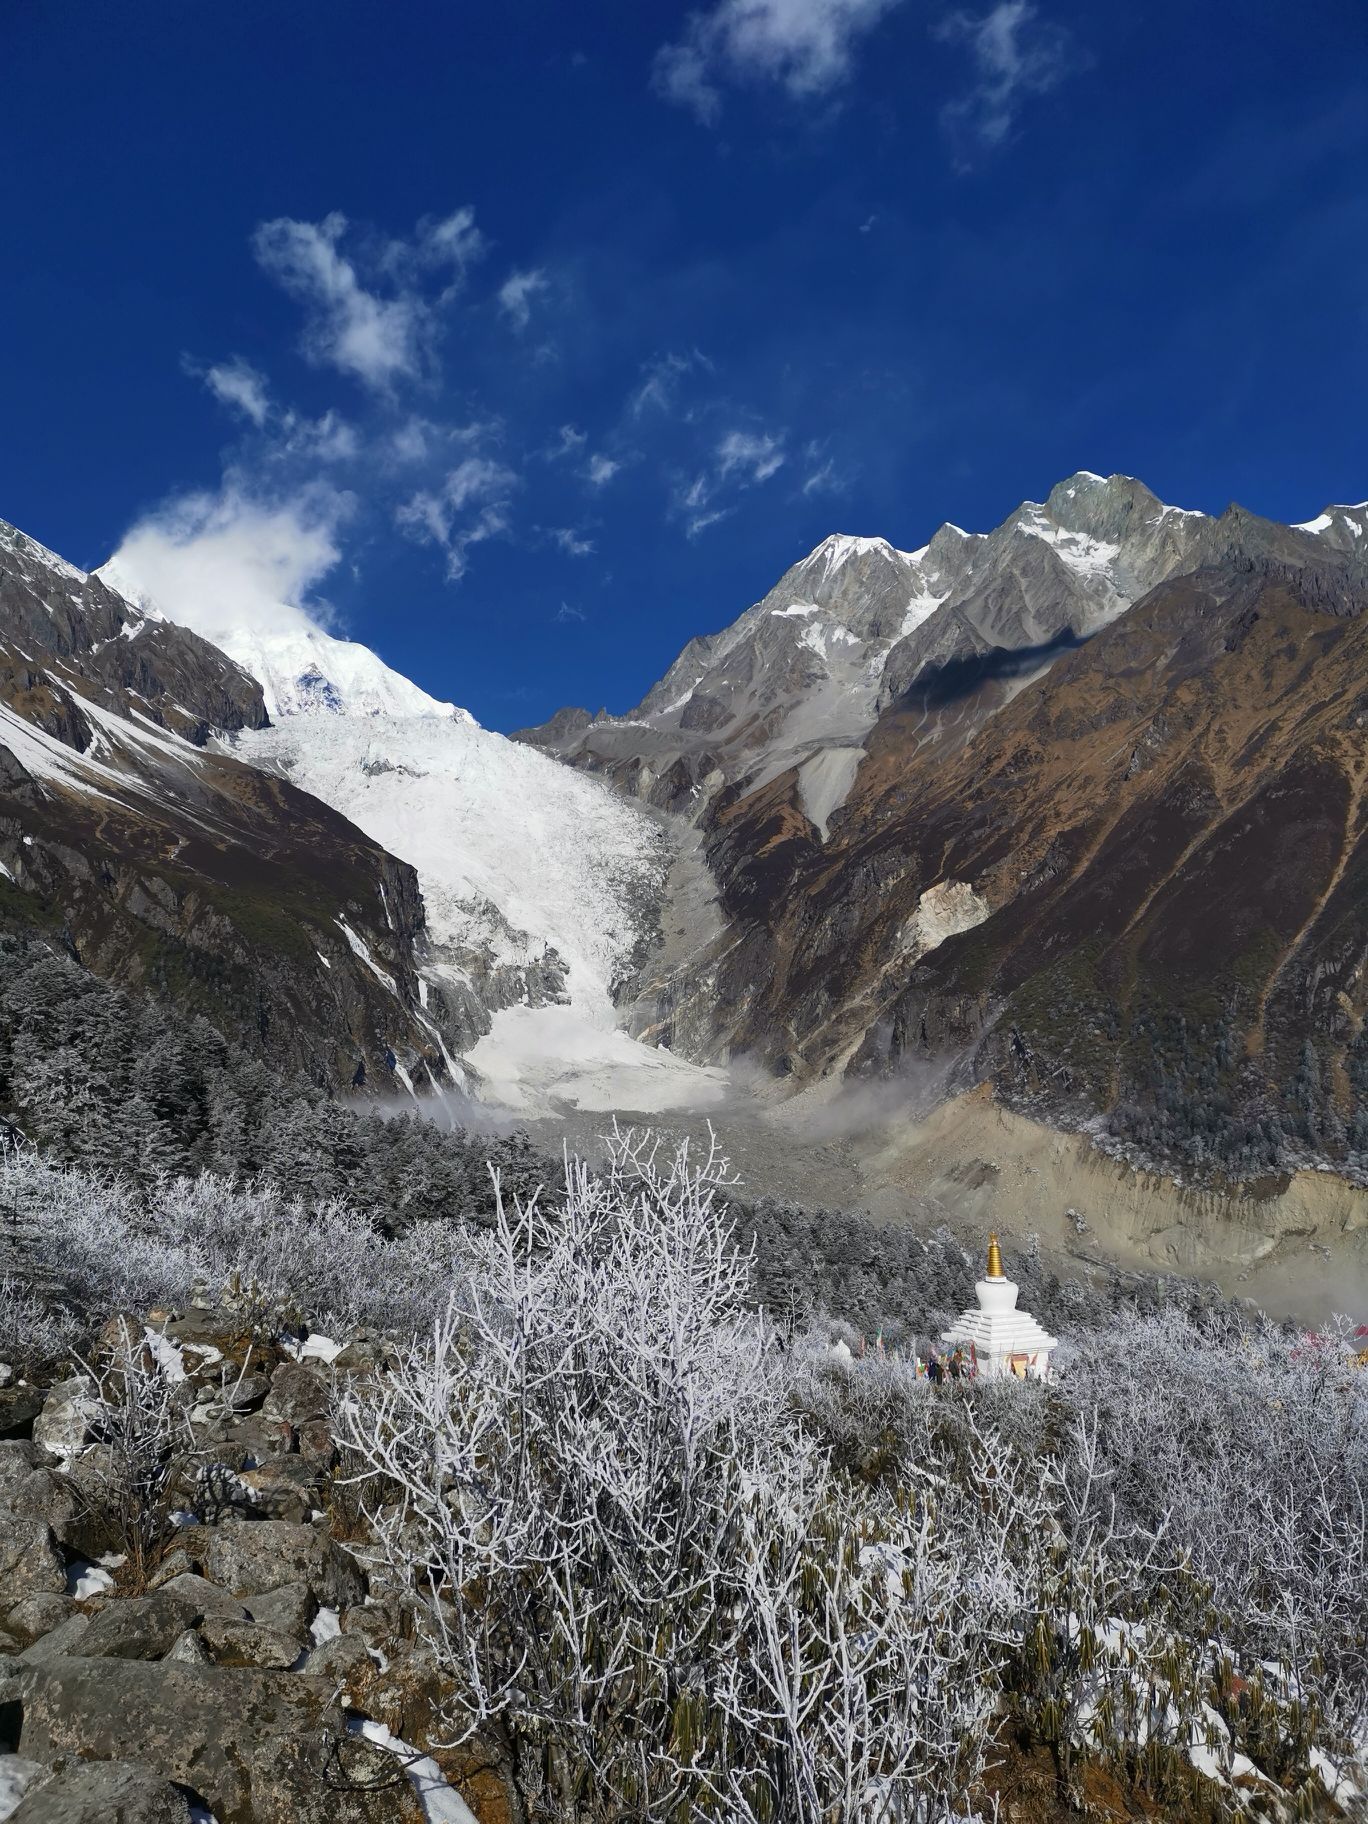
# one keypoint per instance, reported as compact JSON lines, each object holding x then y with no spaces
{"x":171,"y":868}
{"x":1098,"y":843}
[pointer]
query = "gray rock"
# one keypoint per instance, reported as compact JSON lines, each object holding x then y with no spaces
{"x":253,"y":1557}
{"x":247,"y":1643}
{"x":189,"y":1650}
{"x":140,"y":1627}
{"x":208,"y":1598}
{"x":298,"y":1393}
{"x":257,"y":1746}
{"x":35,"y":1615}
{"x":291,"y":1608}
{"x":64,"y":1423}
{"x":102,"y":1792}
{"x":29,"y":1560}
{"x":19,"y":1407}
{"x":340,"y":1658}
{"x":247,"y":1394}
{"x":59,"y":1643}
{"x":43,"y":1494}
{"x":19,"y":1457}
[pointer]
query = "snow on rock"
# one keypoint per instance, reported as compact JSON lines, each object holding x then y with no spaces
{"x":441,"y":1802}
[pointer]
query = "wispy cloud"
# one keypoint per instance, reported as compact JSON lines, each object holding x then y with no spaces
{"x":573,"y":543}
{"x":374,"y":339}
{"x":516,"y":295}
{"x":741,"y":459}
{"x":755,"y":456}
{"x":1016,"y":54}
{"x":568,"y":441}
{"x":658,"y":389}
{"x":236,"y":384}
{"x":601,"y":470}
{"x":470,"y":505}
{"x":566,"y":614}
{"x":806,"y":47}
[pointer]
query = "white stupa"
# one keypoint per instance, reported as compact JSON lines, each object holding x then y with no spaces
{"x":1005,"y":1341}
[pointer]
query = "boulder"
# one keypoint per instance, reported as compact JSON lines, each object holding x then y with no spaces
{"x":63,"y":1425}
{"x":44,"y":1494}
{"x":343,"y":1659}
{"x":247,"y":1643}
{"x":139,"y":1627}
{"x":29,"y":1560}
{"x":251,"y":1558}
{"x":19,"y":1407}
{"x":60,"y":1642}
{"x":208,"y":1598}
{"x":291,"y":1608}
{"x":19,"y":1457}
{"x":37,"y":1614}
{"x":102,"y":1792}
{"x":258,"y":1747}
{"x":189,"y":1650}
{"x":298,"y":1393}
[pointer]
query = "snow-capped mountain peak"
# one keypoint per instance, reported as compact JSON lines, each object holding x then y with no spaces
{"x":301,"y":669}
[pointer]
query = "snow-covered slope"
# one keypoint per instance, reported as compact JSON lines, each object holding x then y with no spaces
{"x":301,"y":667}
{"x":540,"y":883}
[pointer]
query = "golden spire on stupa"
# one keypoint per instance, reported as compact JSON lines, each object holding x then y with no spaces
{"x":995,"y":1258}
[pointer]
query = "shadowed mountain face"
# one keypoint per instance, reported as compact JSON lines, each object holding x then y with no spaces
{"x":1109,"y":857}
{"x":168,"y":867}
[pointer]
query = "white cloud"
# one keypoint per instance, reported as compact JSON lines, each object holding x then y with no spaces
{"x":1015,"y":54}
{"x":329,"y":438}
{"x":741,"y":459}
{"x":701,"y":521}
{"x":820,"y":479}
{"x":566,"y":614}
{"x":659,"y":386}
{"x":569,"y":441}
{"x":573,"y":543}
{"x":516,"y":295}
{"x":805,"y":46}
{"x":230,"y":562}
{"x":454,"y":242}
{"x":236,"y":384}
{"x":469,"y":506}
{"x":756,"y":457}
{"x":601,"y":471}
{"x":376,"y":340}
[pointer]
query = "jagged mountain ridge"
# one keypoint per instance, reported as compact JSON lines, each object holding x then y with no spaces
{"x":801,"y":677}
{"x":1105,"y":855}
{"x":166,"y":866}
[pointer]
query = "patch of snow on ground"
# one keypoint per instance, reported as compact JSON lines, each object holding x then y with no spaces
{"x":441,"y":1803}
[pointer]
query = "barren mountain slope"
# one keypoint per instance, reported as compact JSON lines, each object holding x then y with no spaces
{"x":165,"y":866}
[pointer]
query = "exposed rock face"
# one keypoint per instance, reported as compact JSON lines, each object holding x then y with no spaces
{"x":168,"y":867}
{"x":1104,"y":852}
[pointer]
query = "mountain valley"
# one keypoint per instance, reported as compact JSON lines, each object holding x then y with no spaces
{"x":1068,"y":815}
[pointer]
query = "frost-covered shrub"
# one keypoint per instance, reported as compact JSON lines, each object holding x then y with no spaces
{"x":111,"y":1244}
{"x":654,"y":1593}
{"x":35,"y":1333}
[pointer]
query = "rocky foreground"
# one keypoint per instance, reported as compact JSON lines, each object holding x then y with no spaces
{"x":245,"y":1670}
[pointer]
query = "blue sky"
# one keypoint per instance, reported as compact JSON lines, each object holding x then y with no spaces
{"x":528,"y":340}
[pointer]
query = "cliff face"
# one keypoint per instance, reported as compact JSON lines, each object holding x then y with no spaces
{"x":163,"y":865}
{"x":1136,"y":892}
{"x":1091,"y":830}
